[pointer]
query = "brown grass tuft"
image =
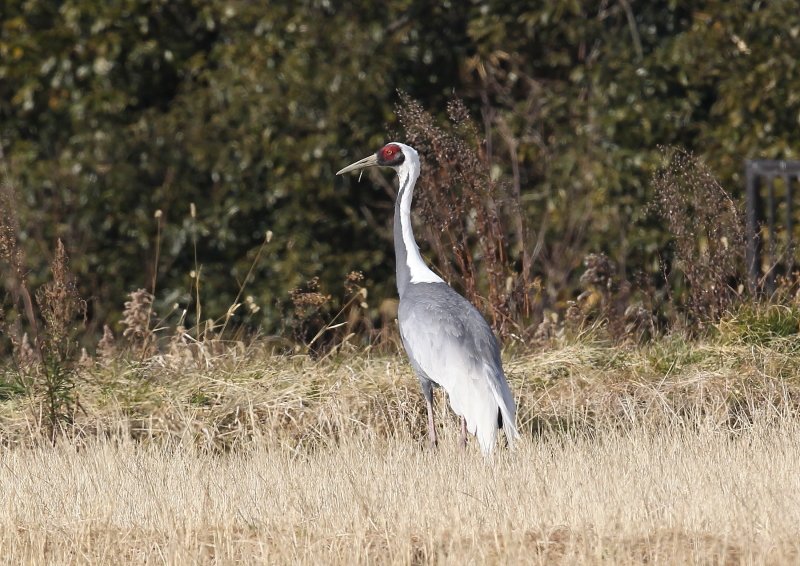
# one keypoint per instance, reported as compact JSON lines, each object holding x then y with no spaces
{"x":311,"y":308}
{"x":137,"y":318}
{"x":473,"y":222}
{"x":708,"y":234}
{"x":24,"y":354}
{"x":106,"y":348}
{"x":60,"y":306}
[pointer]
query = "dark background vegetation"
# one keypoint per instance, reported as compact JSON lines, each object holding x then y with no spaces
{"x":111,"y":111}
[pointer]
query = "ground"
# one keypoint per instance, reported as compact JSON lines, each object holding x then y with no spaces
{"x":674,"y":452}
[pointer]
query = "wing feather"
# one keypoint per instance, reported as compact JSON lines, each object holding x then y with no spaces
{"x":450,"y":343}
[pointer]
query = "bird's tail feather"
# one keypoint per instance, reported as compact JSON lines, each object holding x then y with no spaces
{"x":507,"y":408}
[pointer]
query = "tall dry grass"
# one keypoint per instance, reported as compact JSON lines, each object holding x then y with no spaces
{"x":641,"y":495}
{"x":671,"y":453}
{"x":220,"y":401}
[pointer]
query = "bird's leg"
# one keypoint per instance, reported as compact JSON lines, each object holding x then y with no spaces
{"x":427,"y":390}
{"x":463,"y":432}
{"x":431,"y":425}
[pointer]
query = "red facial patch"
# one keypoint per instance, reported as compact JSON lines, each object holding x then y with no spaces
{"x":389,"y":152}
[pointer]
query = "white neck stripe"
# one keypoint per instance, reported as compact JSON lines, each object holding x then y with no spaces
{"x":408,"y":173}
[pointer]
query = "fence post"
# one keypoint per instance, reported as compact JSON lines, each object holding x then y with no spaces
{"x":759,"y":217}
{"x":753,"y":250}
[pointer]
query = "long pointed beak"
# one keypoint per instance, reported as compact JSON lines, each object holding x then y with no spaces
{"x":370,"y":161}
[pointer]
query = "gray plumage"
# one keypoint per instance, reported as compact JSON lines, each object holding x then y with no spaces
{"x":448,"y":342}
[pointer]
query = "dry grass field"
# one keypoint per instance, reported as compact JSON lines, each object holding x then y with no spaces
{"x":671,"y":453}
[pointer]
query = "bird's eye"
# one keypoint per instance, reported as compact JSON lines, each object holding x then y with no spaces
{"x":390,"y":152}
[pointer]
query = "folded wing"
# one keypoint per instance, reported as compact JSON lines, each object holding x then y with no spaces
{"x":450,"y":343}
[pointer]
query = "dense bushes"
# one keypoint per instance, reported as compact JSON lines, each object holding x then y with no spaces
{"x":241,"y":112}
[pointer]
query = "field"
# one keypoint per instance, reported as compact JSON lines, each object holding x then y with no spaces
{"x":199,"y":351}
{"x":674,"y":452}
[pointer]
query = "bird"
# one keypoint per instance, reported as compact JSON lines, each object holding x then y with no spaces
{"x":448,"y":342}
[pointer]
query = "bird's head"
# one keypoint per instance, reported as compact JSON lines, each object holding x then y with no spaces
{"x":391,"y":155}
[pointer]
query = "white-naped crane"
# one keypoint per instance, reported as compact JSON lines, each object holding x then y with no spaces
{"x":447,"y":340}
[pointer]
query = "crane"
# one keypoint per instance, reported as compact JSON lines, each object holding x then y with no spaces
{"x":448,"y":342}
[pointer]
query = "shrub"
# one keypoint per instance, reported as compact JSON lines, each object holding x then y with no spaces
{"x":473,"y":222}
{"x":707,"y":236}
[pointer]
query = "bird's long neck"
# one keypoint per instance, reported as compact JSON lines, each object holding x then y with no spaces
{"x":410,"y":266}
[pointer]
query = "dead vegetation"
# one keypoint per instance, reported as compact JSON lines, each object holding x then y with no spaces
{"x":474,"y":223}
{"x":707,"y":232}
{"x":219,"y":396}
{"x":619,"y":496}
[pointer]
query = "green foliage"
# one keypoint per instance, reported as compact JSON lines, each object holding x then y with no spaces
{"x":760,"y":324}
{"x":10,"y":386}
{"x":671,"y":355}
{"x":590,"y":90}
{"x":111,"y":111}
